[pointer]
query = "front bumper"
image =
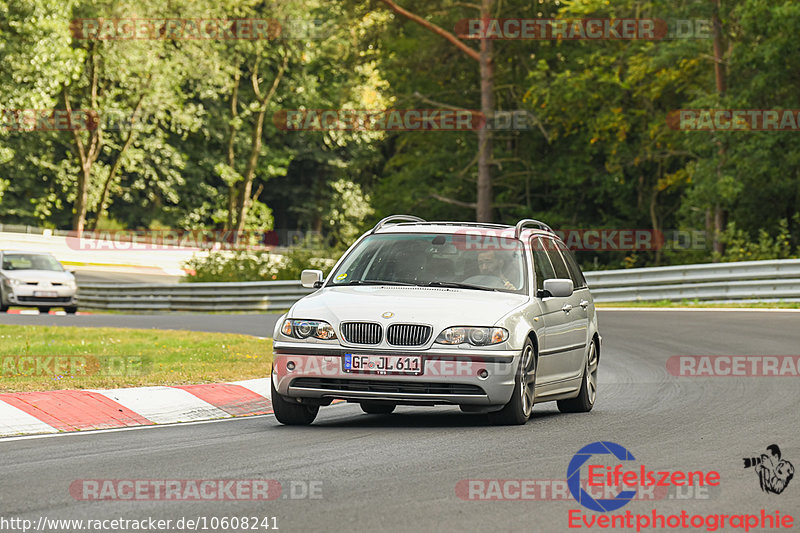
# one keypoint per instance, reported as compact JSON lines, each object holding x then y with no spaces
{"x":449,"y":377}
{"x":31,"y":296}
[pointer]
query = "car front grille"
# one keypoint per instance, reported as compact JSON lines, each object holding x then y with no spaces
{"x":44,"y":299}
{"x":362,"y":332}
{"x":387,"y":386}
{"x":408,"y":334}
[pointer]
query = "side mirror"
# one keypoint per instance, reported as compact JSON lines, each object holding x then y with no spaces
{"x":311,"y":279}
{"x":558,"y":288}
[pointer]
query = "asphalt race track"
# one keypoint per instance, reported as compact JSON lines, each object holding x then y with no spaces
{"x":399,"y":472}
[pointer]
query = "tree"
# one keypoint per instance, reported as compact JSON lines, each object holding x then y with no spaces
{"x":483,"y":207}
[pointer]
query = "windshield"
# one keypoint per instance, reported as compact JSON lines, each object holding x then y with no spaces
{"x":432,"y":260}
{"x":31,"y":262}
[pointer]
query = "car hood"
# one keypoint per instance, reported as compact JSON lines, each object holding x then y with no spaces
{"x":423,"y":305}
{"x":29,"y":276}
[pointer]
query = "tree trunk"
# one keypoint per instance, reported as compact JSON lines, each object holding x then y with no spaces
{"x":252,"y":160}
{"x":232,"y":188}
{"x":483,"y":212}
{"x":86,"y":155}
{"x":82,"y":198}
{"x":483,"y":205}
{"x":719,"y":227}
{"x":655,"y":225}
{"x":255,"y":143}
{"x":720,"y":77}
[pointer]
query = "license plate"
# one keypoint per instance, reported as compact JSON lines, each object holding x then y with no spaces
{"x":45,"y":294}
{"x":383,"y":364}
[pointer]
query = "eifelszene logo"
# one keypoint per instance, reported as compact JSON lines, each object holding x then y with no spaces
{"x":774,"y":473}
{"x":618,"y":477}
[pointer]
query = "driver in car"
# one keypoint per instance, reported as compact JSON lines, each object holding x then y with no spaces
{"x":490,"y":264}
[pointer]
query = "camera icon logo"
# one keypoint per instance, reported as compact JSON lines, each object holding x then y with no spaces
{"x":774,"y":472}
{"x":602,"y":505}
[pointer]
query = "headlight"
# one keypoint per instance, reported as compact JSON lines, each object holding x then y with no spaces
{"x":303,"y":329}
{"x":473,"y":335}
{"x":70,"y":284}
{"x":13,"y":282}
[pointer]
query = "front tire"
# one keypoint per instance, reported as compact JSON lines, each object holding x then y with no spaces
{"x":71,"y":310}
{"x":584,"y":402}
{"x":44,"y":310}
{"x":377,"y":408}
{"x":518,"y":410}
{"x":289,"y":413}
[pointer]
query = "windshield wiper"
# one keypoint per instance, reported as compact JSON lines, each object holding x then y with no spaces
{"x":455,"y":285}
{"x":378,"y":282}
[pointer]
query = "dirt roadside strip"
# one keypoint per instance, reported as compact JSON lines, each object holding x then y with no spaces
{"x":27,"y":413}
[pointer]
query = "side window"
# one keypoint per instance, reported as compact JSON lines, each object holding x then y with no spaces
{"x":541,"y":263}
{"x":555,"y":258}
{"x":578,"y":281}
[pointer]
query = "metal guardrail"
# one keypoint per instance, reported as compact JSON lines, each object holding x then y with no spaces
{"x":747,"y":280}
{"x":249,"y":296}
{"x":751,"y":280}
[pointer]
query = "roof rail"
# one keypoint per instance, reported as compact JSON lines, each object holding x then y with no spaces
{"x":469,"y":224}
{"x":529,"y":221}
{"x":392,"y":218}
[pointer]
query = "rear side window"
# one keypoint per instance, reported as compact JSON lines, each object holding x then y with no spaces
{"x":541,"y":263}
{"x":555,"y":258}
{"x":578,"y":281}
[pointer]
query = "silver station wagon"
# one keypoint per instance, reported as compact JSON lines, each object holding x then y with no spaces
{"x":489,"y":317}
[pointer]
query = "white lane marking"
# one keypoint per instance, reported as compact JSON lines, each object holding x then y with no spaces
{"x":164,"y":405}
{"x":14,"y":421}
{"x":139,"y":428}
{"x":740,"y":309}
{"x":260,"y":386}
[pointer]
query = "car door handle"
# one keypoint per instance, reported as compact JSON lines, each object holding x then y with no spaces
{"x":584,"y":304}
{"x":567,"y":308}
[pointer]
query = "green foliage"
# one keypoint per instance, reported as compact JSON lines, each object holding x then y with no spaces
{"x":244,"y":265}
{"x":740,"y":247}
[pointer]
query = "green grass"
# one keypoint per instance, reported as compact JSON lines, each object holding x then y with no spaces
{"x":101,"y":358}
{"x":698,"y":303}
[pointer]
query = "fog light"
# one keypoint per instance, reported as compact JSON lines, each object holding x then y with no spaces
{"x":483,"y":373}
{"x":290,"y":366}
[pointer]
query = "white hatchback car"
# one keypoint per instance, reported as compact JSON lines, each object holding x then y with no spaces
{"x":35,"y":279}
{"x":488,"y":317}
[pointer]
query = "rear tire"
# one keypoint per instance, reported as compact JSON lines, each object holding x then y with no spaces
{"x":289,"y":413}
{"x":584,"y":402}
{"x":71,"y":310}
{"x":377,"y":408}
{"x":518,"y":410}
{"x":44,"y":310}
